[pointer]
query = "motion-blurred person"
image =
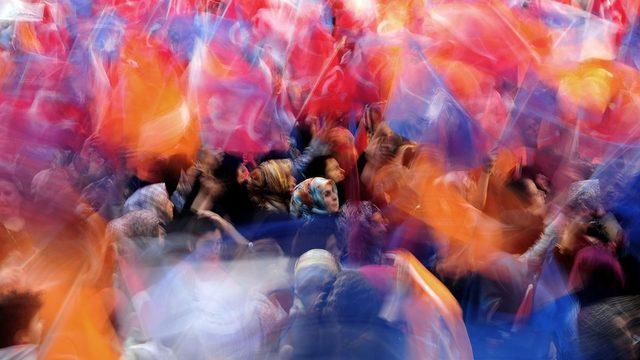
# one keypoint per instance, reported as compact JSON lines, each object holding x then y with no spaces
{"x":15,"y":240}
{"x":316,"y":201}
{"x":20,"y":324}
{"x":363,"y":228}
{"x":328,"y":167}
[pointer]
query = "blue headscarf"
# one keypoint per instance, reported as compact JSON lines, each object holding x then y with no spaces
{"x":308,"y":198}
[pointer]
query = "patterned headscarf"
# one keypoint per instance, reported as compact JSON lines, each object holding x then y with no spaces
{"x":269,"y":184}
{"x":356,"y":212}
{"x":139,"y":226}
{"x":318,"y":258}
{"x":585,"y":195}
{"x":151,"y":197}
{"x":307,"y":197}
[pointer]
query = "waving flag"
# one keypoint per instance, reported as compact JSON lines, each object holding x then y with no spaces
{"x":422,"y":109}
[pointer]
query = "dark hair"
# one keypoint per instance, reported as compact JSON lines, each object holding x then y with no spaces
{"x":317,"y":166}
{"x":596,"y":229}
{"x":17,"y":309}
{"x":273,"y":155}
{"x":227,"y":170}
{"x":169,"y":170}
{"x":353,"y":299}
{"x":321,"y":305}
{"x":191,"y":196}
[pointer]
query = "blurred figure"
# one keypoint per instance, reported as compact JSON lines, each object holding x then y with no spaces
{"x":15,"y":240}
{"x":313,"y":271}
{"x":234,"y":201}
{"x":53,"y":192}
{"x":381,"y":150}
{"x":151,"y":197}
{"x":328,"y":167}
{"x":271,"y":185}
{"x":316,"y":201}
{"x":363,"y":228}
{"x":20,"y":324}
{"x":343,"y":148}
{"x":345,"y":323}
{"x":359,"y":331}
{"x":523,"y":209}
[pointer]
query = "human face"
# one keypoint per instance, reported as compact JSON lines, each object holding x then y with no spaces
{"x":309,"y":285}
{"x":243,"y":174}
{"x":9,"y":199}
{"x":378,"y":225}
{"x":209,"y":245}
{"x":330,"y":198}
{"x":537,"y":198}
{"x":333,"y":171}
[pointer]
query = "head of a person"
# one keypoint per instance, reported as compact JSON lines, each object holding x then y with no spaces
{"x":327,"y":167}
{"x":362,"y":247}
{"x":313,"y":272}
{"x":10,"y":196}
{"x":198,"y":238}
{"x":529,"y":190}
{"x":210,"y":245}
{"x":208,"y":240}
{"x":373,"y":117}
{"x":585,"y":231}
{"x":151,"y":197}
{"x":391,"y":183}
{"x":272,"y":179}
{"x":362,"y":213}
{"x":352,"y":298}
{"x":384,"y":145}
{"x":342,"y":145}
{"x":231,"y":170}
{"x":96,"y":194}
{"x":91,"y":162}
{"x":204,"y":185}
{"x":609,"y":329}
{"x":584,"y":200}
{"x":314,"y":196}
{"x":53,"y":190}
{"x":586,"y":217}
{"x":19,"y":320}
{"x":142,"y":227}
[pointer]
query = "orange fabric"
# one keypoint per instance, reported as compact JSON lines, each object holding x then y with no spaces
{"x":148,"y":116}
{"x":434,"y":316}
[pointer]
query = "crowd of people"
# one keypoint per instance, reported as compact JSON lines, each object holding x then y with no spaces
{"x":318,"y":253}
{"x":324,"y":179}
